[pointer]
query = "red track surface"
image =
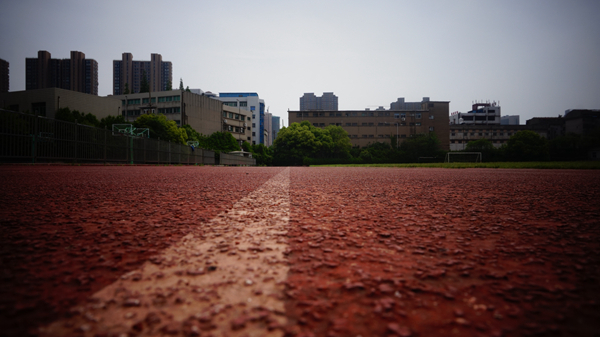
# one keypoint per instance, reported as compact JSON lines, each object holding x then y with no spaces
{"x":372,"y":252}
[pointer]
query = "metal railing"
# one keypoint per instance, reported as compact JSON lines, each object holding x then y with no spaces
{"x":33,"y":139}
{"x":231,"y":159}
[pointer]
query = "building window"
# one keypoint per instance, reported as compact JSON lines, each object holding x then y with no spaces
{"x":418,"y":123}
{"x":418,"y":116}
{"x":348,"y":124}
{"x":354,"y":124}
{"x":253,"y":133}
{"x":365,"y":124}
{"x":299,"y":114}
{"x":452,"y":133}
{"x":402,"y":136}
{"x":248,"y":118}
{"x":253,"y":125}
{"x":431,"y":117}
{"x":243,"y":103}
{"x":396,"y":115}
{"x":431,"y":128}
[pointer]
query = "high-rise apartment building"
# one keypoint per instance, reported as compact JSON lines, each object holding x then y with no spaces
{"x":276,"y":126}
{"x":328,"y":101}
{"x":129,"y":73}
{"x":248,"y":101}
{"x":76,"y":73}
{"x":4,"y":80}
{"x":268,"y":129}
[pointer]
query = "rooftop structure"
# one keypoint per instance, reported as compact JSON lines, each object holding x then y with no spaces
{"x":487,"y":113}
{"x":328,"y":101}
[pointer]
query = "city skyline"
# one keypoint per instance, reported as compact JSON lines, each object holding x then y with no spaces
{"x":537,"y":58}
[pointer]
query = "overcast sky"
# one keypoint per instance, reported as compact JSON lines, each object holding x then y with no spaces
{"x":536,"y":57}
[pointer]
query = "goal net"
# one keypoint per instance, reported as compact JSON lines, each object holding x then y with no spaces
{"x":463,"y":157}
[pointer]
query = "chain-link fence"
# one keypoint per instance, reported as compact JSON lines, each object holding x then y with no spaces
{"x":27,"y":138}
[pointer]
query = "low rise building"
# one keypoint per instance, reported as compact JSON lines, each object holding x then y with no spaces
{"x":366,"y":127}
{"x":45,"y":102}
{"x":249,"y":101}
{"x":203,"y":113}
{"x":461,"y":135}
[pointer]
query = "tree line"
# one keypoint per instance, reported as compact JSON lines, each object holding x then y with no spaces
{"x":304,"y":144}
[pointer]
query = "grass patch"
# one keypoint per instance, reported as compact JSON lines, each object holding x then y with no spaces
{"x":577,"y":165}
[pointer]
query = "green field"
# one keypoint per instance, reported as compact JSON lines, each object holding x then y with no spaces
{"x":580,"y":165}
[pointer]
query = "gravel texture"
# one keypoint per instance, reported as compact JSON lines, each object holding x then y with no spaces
{"x":217,"y":251}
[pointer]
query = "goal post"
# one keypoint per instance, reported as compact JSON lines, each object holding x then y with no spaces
{"x":463,"y":157}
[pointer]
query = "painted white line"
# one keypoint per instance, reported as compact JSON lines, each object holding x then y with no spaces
{"x":223,"y":279}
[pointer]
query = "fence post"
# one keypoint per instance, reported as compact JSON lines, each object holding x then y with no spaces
{"x":36,"y":127}
{"x":131,"y":153}
{"x":105,"y":132}
{"x":76,"y":139}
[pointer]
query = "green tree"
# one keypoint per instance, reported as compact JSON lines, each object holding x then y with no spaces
{"x":74,"y":116}
{"x":341,"y":144}
{"x":161,"y":127}
{"x":488,"y":152}
{"x":263,"y":154}
{"x":169,"y":86}
{"x":126,"y":90}
{"x":223,"y":142}
{"x":144,"y":85}
{"x":181,"y":84}
{"x":422,"y":145}
{"x":526,"y":145}
{"x":303,"y":140}
{"x":108,"y":121}
{"x":188,"y":89}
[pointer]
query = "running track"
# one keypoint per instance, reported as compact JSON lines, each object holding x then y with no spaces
{"x":216,"y":251}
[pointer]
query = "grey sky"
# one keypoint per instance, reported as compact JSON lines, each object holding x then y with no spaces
{"x":538,"y":58}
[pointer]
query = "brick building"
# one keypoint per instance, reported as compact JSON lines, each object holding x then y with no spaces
{"x":366,"y":126}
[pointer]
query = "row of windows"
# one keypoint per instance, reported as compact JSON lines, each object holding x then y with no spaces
{"x":236,"y":129}
{"x":234,"y":104}
{"x":416,"y":115}
{"x":232,"y":115}
{"x":163,"y":99}
{"x":481,"y":134}
{"x":169,"y":99}
{"x":165,"y":111}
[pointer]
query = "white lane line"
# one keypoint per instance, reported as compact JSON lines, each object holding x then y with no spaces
{"x":224,"y":279}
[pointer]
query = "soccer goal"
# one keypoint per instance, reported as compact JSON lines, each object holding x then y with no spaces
{"x":463,"y":157}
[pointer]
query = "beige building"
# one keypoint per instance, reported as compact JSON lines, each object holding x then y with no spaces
{"x":461,"y":135}
{"x":45,"y":102}
{"x":203,"y":113}
{"x":367,"y":126}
